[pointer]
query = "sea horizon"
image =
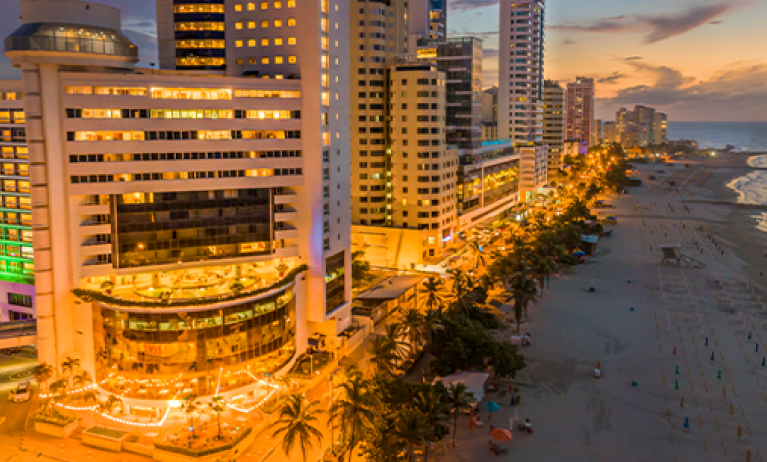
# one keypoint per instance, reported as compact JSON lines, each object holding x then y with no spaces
{"x":743,"y":136}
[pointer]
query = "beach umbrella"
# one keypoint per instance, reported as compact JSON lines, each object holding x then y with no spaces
{"x":501,"y":434}
{"x":490,"y":406}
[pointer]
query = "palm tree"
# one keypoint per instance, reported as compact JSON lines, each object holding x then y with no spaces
{"x":68,"y":367}
{"x":412,"y":322}
{"x":524,"y":291}
{"x":297,"y":420}
{"x":434,"y":290}
{"x":382,"y":356}
{"x":112,"y":402}
{"x":462,"y":288}
{"x":90,"y":395}
{"x":459,"y":399}
{"x":436,"y":413}
{"x":59,"y":386}
{"x":410,"y":428}
{"x":218,"y":405}
{"x":43,"y":373}
{"x":82,"y":379}
{"x":395,"y":334}
{"x":353,"y":410}
{"x":284,"y":381}
{"x":477,"y":256}
{"x":543,"y":266}
{"x":189,"y":406}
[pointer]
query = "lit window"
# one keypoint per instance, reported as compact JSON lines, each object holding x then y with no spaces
{"x":264,"y":5}
{"x":252,"y":43}
{"x":291,"y":22}
{"x":291,"y":40}
{"x":277,"y":4}
{"x":251,"y":24}
{"x":239,"y":61}
{"x":264,"y":24}
{"x":237,"y":7}
{"x":278,"y":60}
{"x":264,"y":60}
{"x":278,"y":23}
{"x":251,"y":6}
{"x":238,"y":25}
{"x":238,"y":43}
{"x":264,"y":42}
{"x":278,"y":41}
{"x":291,"y":3}
{"x":292,"y":59}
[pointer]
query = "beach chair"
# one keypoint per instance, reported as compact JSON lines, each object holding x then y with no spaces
{"x":672,"y":253}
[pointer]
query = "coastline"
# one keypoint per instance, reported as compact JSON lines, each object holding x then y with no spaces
{"x":740,"y":233}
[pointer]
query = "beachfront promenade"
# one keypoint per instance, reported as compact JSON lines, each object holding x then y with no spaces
{"x":654,"y":328}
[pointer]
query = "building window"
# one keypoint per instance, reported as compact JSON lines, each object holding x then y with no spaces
{"x":278,"y":60}
{"x":278,"y":41}
{"x":278,"y":23}
{"x":238,"y":43}
{"x":292,"y":59}
{"x":238,"y":25}
{"x":20,"y":300}
{"x":251,"y":24}
{"x":291,"y":40}
{"x":291,"y":22}
{"x":251,"y":43}
{"x":238,"y":7}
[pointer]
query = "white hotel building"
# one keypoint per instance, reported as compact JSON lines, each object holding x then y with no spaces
{"x":190,"y":230}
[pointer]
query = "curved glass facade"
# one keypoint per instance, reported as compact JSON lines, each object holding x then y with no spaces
{"x":162,"y":353}
{"x":71,"y":38}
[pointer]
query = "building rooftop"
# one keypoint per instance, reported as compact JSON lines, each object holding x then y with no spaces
{"x":71,"y":38}
{"x":392,"y":288}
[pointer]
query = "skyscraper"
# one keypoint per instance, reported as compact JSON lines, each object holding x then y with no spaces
{"x":17,"y":272}
{"x":188,"y":228}
{"x":520,"y":71}
{"x":580,"y":110}
{"x":554,"y":122}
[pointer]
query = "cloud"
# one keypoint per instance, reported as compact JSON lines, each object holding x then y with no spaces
{"x":715,"y":23}
{"x":633,"y":58}
{"x":465,"y":5}
{"x":657,"y":27}
{"x":736,"y":92}
{"x":569,"y":42}
{"x":613,"y":78}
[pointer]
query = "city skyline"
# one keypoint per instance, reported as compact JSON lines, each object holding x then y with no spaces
{"x":657,"y":53}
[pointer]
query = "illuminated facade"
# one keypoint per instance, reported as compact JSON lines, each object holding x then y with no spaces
{"x":520,"y":71}
{"x":188,"y":229}
{"x":554,"y":122}
{"x":580,"y":110}
{"x":17,"y":273}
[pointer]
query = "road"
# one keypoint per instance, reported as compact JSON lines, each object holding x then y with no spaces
{"x":14,"y":369}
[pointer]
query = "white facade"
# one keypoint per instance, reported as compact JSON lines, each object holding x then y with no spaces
{"x":520,"y":71}
{"x":149,"y":137}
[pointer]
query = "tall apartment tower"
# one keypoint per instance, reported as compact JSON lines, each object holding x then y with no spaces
{"x":554,"y":122}
{"x":189,"y":229}
{"x":660,"y":128}
{"x":379,"y":31}
{"x":460,"y":59}
{"x":596,"y":132}
{"x":610,"y":132}
{"x":303,"y":41}
{"x":17,"y":267}
{"x":427,"y":18}
{"x":520,"y":71}
{"x":645,"y":116}
{"x":580,"y":110}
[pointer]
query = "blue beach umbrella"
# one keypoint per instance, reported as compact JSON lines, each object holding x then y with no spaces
{"x":490,"y":406}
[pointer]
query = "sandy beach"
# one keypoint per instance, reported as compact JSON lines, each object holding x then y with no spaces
{"x":654,"y":328}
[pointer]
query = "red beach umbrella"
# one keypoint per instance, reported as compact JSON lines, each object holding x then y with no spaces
{"x":501,"y":434}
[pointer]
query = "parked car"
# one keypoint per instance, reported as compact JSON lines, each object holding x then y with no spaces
{"x":23,"y":392}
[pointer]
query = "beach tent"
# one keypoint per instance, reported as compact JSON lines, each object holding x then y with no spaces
{"x":474,"y":381}
{"x":589,"y":244}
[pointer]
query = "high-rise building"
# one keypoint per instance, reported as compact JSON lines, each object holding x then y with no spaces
{"x":490,"y":105}
{"x":610,"y":132}
{"x":660,"y":128}
{"x":520,"y":71}
{"x":460,"y":59}
{"x":645,"y":117}
{"x":189,"y":229}
{"x":596,"y":133}
{"x":427,"y":18}
{"x":622,"y":120}
{"x":554,"y":122}
{"x":580,"y":110}
{"x":17,"y":271}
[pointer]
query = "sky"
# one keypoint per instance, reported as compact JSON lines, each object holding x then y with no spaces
{"x":696,"y":60}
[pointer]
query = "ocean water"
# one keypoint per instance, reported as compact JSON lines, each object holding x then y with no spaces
{"x":752,"y":188}
{"x":745,"y":136}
